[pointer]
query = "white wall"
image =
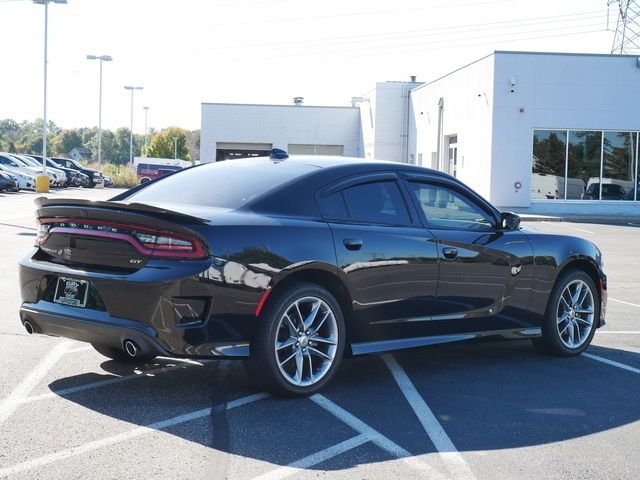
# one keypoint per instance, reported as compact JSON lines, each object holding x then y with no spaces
{"x":279,"y":125}
{"x":388,"y":106}
{"x":467,"y":95}
{"x":600,"y":92}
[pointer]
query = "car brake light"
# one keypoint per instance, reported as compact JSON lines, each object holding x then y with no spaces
{"x":146,"y":240}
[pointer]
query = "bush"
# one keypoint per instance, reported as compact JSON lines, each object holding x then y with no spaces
{"x":123,"y":176}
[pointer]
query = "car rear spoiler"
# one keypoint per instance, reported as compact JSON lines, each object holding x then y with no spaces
{"x":48,"y":207}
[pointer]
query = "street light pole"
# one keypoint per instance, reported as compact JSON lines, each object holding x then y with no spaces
{"x":44,"y":125}
{"x":131,"y":128}
{"x":146,"y":138}
{"x":101,"y":58}
{"x":175,"y":148}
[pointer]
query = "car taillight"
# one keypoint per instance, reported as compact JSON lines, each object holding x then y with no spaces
{"x":148,"y":241}
{"x":41,"y":233}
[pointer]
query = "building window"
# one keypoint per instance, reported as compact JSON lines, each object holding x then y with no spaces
{"x":584,"y":165}
{"x":618,"y":167}
{"x":583,"y":171}
{"x":549,"y":153}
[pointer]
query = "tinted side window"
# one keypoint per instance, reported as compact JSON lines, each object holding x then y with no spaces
{"x":446,"y":208}
{"x":376,"y":202}
{"x":333,"y":206}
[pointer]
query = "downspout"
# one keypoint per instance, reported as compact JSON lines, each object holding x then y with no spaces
{"x":439,"y":141}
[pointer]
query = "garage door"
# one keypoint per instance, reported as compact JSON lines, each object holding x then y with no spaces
{"x":235,"y":150}
{"x":310,"y":149}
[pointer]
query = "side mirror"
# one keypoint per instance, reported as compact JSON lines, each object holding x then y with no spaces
{"x":509,"y":221}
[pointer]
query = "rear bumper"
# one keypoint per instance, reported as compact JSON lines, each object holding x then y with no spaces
{"x":173,"y":311}
{"x":94,"y":327}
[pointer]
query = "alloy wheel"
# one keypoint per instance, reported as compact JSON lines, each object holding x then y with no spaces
{"x":306,"y":341}
{"x":575,"y":314}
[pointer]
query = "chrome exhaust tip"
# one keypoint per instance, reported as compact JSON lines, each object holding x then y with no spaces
{"x":131,"y":348}
{"x":29,"y":327}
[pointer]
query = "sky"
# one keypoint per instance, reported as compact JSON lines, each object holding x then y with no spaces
{"x":186,"y":52}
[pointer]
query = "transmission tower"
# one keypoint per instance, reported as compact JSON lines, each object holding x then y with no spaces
{"x":627,"y":37}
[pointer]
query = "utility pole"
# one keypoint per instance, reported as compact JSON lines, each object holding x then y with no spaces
{"x":627,"y":33}
{"x":146,"y":136}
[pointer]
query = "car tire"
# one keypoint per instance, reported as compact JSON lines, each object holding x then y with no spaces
{"x":299,"y":340}
{"x":570,"y":323}
{"x":120,"y":355}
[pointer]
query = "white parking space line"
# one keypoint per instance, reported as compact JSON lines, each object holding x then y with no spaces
{"x":626,"y":332}
{"x":626,"y":303}
{"x":122,"y":437}
{"x":103,"y":383}
{"x":374,"y":436}
{"x":450,"y":455}
{"x":9,"y":404}
{"x":569,"y":227}
{"x":612,"y":362}
{"x":314,"y":458}
{"x":80,"y":349}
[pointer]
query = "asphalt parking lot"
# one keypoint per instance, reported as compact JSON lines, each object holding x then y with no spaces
{"x":482,"y":411}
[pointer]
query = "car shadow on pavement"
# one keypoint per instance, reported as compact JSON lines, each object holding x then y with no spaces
{"x":499,"y":395}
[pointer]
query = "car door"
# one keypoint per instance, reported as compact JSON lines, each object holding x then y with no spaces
{"x":485,"y":271}
{"x":388,"y":261}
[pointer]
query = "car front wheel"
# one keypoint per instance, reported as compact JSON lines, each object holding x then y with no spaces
{"x":572,"y":315}
{"x":299,"y":341}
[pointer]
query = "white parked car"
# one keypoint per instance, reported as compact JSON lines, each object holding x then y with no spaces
{"x":26,"y":181}
{"x":58,"y":175}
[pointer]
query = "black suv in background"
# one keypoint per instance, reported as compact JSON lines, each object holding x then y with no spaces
{"x":74,"y":177}
{"x":94,"y":175}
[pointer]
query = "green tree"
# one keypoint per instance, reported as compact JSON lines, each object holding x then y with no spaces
{"x":162,"y":144}
{"x":65,"y":141}
{"x":193,"y":145}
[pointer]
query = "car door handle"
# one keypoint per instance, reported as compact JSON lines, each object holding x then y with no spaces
{"x":450,"y":252}
{"x":352,"y":243}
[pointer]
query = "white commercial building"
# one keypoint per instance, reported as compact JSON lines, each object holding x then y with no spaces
{"x":239,"y":130}
{"x":548,"y":133}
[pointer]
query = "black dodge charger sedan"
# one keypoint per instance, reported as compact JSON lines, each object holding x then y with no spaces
{"x":292,"y":263}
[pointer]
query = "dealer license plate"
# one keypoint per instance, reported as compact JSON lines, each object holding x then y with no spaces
{"x":72,"y":292}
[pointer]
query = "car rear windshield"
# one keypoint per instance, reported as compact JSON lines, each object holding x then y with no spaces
{"x":227,"y":184}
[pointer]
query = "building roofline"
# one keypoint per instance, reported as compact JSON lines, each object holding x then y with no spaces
{"x":277,"y":105}
{"x":523,"y":52}
{"x":566,"y":54}
{"x":451,"y":73}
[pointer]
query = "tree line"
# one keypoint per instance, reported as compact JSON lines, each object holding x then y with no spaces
{"x":26,"y":137}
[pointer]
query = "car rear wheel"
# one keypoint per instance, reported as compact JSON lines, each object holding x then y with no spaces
{"x":120,"y":355}
{"x":299,"y":341}
{"x":571,"y":316}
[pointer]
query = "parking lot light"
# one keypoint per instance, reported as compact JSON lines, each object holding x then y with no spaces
{"x":101,"y":58}
{"x":129,"y":87}
{"x":42,"y":184}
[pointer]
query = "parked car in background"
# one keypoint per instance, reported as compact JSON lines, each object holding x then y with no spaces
{"x":26,"y":181}
{"x":74,"y":177}
{"x":8,"y":182}
{"x":108,"y":181}
{"x":610,"y":191}
{"x":150,"y":171}
{"x":95,"y":177}
{"x":630,"y":193}
{"x":292,"y":262}
{"x":61,"y":179}
{"x":13,"y":164}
